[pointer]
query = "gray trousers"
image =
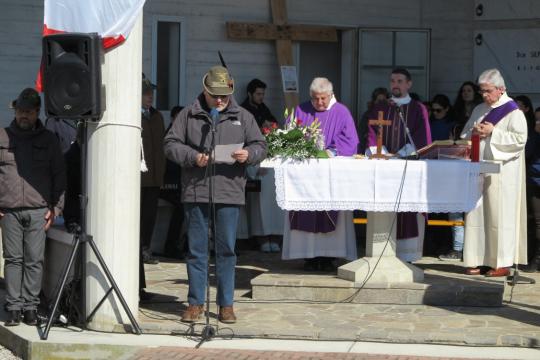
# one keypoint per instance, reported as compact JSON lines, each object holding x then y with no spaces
{"x":23,"y":240}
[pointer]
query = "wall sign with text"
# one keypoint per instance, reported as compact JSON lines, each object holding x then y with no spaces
{"x":515,"y":52}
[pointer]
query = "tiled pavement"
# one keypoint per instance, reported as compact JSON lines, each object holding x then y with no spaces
{"x":5,"y":354}
{"x":517,"y":323}
{"x":218,"y":354}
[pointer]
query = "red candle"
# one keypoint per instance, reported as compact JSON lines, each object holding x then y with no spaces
{"x":475,"y":148}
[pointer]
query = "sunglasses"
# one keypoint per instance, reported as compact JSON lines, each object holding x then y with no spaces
{"x":222,"y":97}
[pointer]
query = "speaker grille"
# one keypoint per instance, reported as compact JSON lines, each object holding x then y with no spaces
{"x":68,"y":86}
{"x":72,"y":75}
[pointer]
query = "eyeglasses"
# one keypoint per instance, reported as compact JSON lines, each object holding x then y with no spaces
{"x":487,"y":91}
{"x":222,"y":97}
{"x":437,"y":110}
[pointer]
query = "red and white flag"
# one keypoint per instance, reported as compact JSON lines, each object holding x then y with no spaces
{"x":111,"y":19}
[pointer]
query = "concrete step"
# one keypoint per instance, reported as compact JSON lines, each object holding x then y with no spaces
{"x":436,"y":289}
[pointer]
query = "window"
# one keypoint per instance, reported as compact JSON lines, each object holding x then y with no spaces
{"x":168,"y":61}
{"x":381,"y":50}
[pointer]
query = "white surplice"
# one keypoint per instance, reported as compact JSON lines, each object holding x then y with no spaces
{"x":411,"y":249}
{"x":340,"y":243}
{"x":496,"y":230}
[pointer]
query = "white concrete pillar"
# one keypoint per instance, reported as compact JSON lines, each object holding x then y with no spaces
{"x":113,"y":173}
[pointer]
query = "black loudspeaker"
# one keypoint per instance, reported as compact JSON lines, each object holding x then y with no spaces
{"x":71,"y":79}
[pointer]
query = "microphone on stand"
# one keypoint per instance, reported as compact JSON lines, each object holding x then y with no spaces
{"x":412,"y":154}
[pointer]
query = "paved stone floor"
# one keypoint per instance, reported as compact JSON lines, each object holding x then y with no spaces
{"x":5,"y":354}
{"x":218,"y":354}
{"x":516,"y":323}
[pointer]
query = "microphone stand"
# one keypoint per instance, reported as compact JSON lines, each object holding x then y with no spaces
{"x":516,"y":278}
{"x":208,"y":331}
{"x":414,"y":154}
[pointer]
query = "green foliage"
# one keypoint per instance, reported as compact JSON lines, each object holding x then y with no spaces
{"x":296,"y":141}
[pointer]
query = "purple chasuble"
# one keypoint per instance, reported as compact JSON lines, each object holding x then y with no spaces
{"x":337,"y":125}
{"x":340,"y":135}
{"x":394,"y":138}
{"x":496,"y":114}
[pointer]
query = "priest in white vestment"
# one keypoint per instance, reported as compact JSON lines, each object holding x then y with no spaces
{"x":496,"y":230}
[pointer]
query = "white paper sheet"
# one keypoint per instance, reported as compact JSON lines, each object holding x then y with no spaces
{"x":223,"y":153}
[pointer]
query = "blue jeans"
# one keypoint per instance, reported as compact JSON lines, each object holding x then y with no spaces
{"x":458,"y":232}
{"x":196,"y":215}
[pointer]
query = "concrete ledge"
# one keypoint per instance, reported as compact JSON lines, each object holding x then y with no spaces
{"x":434,"y":290}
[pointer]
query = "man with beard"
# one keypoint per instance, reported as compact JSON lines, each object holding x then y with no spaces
{"x":404,"y":113}
{"x":33,"y":182}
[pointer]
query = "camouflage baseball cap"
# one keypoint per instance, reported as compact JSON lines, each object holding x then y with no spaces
{"x":217,"y":81}
{"x":28,"y":99}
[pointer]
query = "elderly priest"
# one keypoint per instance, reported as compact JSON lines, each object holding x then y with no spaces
{"x":320,"y":236}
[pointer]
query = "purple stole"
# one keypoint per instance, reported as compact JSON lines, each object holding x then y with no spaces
{"x":313,"y":221}
{"x":496,"y":114}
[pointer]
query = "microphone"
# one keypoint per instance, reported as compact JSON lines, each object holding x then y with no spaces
{"x":413,"y":154}
{"x":214,"y":114}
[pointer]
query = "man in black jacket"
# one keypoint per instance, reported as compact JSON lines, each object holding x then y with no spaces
{"x":188,"y":144}
{"x":32,"y":178}
{"x":254,"y":103}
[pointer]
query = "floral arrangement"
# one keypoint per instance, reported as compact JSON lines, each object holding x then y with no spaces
{"x":296,"y":141}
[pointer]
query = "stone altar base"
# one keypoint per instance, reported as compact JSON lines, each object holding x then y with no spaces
{"x":439,"y":288}
{"x":388,"y":270}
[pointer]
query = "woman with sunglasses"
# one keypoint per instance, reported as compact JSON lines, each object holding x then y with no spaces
{"x":442,"y":125}
{"x":441,"y":120}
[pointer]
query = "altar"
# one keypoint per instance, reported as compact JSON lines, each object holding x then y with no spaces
{"x":382,"y":188}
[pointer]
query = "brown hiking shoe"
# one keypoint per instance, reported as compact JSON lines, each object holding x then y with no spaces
{"x":226,"y":315}
{"x":192,"y":313}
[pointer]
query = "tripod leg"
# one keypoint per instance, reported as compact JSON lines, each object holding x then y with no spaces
{"x":89,"y":318}
{"x":134,"y":324}
{"x":71,"y":260}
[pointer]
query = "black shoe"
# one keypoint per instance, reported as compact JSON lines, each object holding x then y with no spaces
{"x":149,"y":259}
{"x":30,"y":317}
{"x":453,"y":255}
{"x":533,"y":266}
{"x":311,"y":264}
{"x":327,"y":265}
{"x":14,"y":318}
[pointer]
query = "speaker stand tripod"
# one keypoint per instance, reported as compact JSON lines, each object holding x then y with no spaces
{"x":80,"y":236}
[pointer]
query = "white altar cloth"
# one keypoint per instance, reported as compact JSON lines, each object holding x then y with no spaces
{"x":344,"y":183}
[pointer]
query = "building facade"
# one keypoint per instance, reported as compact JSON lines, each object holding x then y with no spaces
{"x":181,"y":40}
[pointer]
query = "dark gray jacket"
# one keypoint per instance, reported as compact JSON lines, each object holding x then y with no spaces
{"x":191,"y":134}
{"x":32,"y":169}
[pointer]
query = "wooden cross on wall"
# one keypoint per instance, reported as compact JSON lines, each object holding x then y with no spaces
{"x":284,"y":34}
{"x":379,"y":122}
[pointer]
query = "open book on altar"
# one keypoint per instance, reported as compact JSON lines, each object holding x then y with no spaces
{"x":446,"y":149}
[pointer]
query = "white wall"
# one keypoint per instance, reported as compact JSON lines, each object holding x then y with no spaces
{"x":20,"y":50}
{"x":452,"y":23}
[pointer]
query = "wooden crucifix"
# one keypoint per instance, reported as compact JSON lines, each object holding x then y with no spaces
{"x":379,"y":122}
{"x":284,"y":34}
